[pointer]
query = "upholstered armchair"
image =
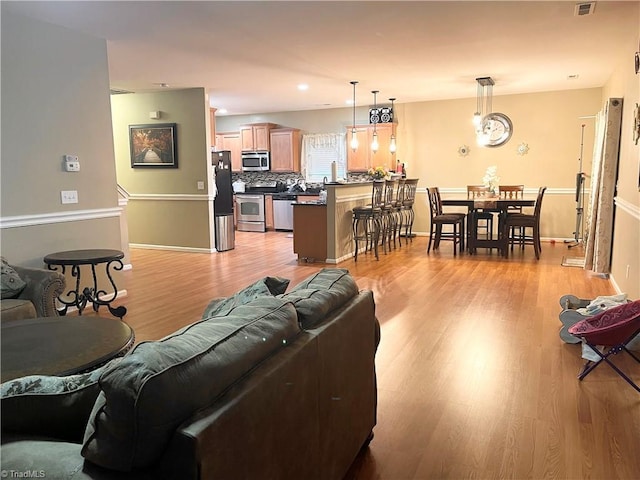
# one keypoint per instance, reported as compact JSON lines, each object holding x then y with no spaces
{"x":36,"y":298}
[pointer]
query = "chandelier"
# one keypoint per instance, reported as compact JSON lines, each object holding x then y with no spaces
{"x":484,"y":99}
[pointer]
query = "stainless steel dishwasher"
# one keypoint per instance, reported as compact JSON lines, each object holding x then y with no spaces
{"x":283,"y":211}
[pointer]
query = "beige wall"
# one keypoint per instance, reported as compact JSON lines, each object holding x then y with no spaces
{"x":165,"y":207}
{"x":430,"y":133}
{"x":55,"y":101}
{"x":625,"y":261}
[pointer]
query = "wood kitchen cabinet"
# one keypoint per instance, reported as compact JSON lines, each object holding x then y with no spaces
{"x":231,"y":141}
{"x":212,"y":125}
{"x":363,"y":158}
{"x":285,"y":150}
{"x":268,"y":212}
{"x":310,"y":232}
{"x":255,"y":136}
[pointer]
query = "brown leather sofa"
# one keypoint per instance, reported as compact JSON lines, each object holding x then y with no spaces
{"x":37,"y":299}
{"x":266,"y":386}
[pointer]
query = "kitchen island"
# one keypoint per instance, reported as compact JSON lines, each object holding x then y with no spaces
{"x":314,"y":221}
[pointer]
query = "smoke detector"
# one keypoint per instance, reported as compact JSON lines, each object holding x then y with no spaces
{"x":584,"y":8}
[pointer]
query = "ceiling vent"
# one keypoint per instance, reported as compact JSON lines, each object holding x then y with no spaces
{"x":584,"y":8}
{"x":116,"y":91}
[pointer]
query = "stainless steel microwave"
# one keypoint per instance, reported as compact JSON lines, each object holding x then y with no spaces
{"x":255,"y":161}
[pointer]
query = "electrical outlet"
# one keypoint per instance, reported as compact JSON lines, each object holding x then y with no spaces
{"x":200,"y":185}
{"x":69,"y":196}
{"x":71,"y":163}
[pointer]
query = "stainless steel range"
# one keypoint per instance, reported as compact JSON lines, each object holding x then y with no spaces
{"x":250,"y":208}
{"x":250,"y":205}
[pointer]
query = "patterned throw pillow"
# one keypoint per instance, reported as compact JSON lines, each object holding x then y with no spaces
{"x":12,"y":284}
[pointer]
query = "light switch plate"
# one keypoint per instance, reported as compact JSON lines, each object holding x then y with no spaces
{"x":200,"y":185}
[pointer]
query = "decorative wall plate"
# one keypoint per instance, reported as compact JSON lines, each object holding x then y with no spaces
{"x":523,"y":149}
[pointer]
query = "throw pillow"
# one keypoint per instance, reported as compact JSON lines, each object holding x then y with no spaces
{"x":11,"y":283}
{"x":320,"y":294}
{"x":161,"y":384}
{"x":56,"y":407}
{"x":268,"y":286}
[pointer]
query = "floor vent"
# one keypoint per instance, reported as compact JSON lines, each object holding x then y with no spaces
{"x":585,"y":8}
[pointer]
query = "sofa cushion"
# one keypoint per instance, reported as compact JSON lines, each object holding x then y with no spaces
{"x":320,"y":294}
{"x":10,"y":282}
{"x":17,"y":309}
{"x":160,"y":384}
{"x":56,"y":407}
{"x":268,"y":286}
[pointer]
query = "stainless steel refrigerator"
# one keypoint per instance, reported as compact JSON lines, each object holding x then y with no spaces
{"x":223,"y":203}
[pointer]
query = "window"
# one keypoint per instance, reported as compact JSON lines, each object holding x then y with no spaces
{"x":319,"y":150}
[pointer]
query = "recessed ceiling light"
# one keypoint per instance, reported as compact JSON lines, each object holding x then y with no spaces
{"x":303,"y":86}
{"x":575,"y":76}
{"x":221,"y":110}
{"x":349,"y":102}
{"x":162,"y":85}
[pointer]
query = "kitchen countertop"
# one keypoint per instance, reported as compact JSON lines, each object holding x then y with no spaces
{"x":310,"y":202}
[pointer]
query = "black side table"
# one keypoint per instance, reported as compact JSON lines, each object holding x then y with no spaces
{"x":79,"y":297}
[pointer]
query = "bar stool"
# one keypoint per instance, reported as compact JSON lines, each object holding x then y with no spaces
{"x":410,"y":187}
{"x":367,"y":220}
{"x":389,"y":218}
{"x":398,"y":210}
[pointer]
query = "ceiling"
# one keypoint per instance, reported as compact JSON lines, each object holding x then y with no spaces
{"x":250,"y":56}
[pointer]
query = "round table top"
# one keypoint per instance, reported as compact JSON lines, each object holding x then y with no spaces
{"x":83,"y":257}
{"x":61,"y":345}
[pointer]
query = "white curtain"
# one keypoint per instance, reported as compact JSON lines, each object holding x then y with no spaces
{"x":599,"y":225}
{"x":318,"y":151}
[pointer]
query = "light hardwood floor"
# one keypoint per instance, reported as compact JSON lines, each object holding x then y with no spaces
{"x":473,"y":379}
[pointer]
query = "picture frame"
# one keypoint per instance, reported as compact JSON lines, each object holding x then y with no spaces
{"x":153,"y":145}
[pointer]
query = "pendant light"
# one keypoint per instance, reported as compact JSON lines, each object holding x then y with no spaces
{"x":354,"y":136}
{"x":374,"y":142}
{"x":392,"y":143}
{"x":484,"y":105}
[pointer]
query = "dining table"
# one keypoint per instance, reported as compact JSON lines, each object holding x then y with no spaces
{"x":492,"y":204}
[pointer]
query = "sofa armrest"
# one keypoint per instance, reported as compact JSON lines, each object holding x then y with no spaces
{"x":43,"y":287}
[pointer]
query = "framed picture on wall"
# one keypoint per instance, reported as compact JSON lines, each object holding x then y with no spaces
{"x":153,"y":145}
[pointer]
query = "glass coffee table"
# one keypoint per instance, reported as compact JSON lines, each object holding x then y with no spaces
{"x":61,"y":346}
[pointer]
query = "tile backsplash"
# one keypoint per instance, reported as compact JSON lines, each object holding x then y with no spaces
{"x":253,"y":177}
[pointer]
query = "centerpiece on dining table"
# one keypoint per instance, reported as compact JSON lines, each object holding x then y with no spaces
{"x":491,"y":180}
{"x":378,"y":173}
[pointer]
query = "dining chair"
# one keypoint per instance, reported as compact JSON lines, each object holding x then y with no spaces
{"x":524,"y":221}
{"x":410,"y":187}
{"x":367,"y":220}
{"x":482,"y":219}
{"x":440,"y":219}
{"x":512,"y":192}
